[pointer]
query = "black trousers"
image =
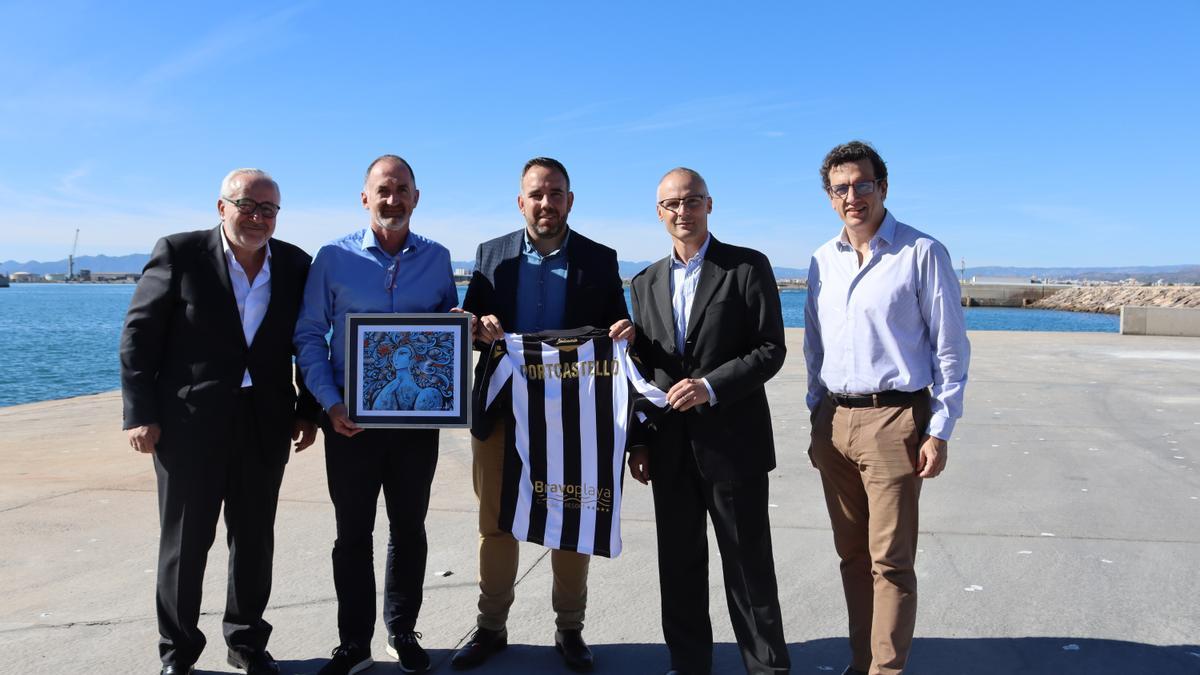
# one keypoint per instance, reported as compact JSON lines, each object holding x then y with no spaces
{"x":192,"y":485}
{"x":401,"y":462}
{"x":683,"y":500}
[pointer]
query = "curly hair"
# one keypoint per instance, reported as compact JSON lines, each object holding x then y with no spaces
{"x":850,"y":153}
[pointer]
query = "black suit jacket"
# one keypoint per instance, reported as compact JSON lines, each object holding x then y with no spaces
{"x":735,"y":339}
{"x":183,"y":350}
{"x":595,"y":296}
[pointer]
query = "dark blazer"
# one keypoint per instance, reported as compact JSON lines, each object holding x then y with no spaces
{"x":595,"y":296}
{"x":735,"y":339}
{"x":183,"y":350}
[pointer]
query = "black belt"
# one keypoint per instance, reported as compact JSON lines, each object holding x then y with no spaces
{"x":888,"y":399}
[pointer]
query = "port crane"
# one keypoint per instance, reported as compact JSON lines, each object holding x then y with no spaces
{"x":71,"y":258}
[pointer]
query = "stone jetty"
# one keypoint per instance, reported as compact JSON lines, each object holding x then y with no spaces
{"x":1109,"y":299}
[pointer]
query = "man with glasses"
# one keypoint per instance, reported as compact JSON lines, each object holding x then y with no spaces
{"x":207,"y":383}
{"x":385,"y":267}
{"x":887,"y":354}
{"x":710,"y":334}
{"x":545,"y":276}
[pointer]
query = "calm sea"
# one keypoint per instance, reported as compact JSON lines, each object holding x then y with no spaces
{"x":61,"y":340}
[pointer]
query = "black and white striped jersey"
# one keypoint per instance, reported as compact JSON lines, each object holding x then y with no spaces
{"x":574,"y":395}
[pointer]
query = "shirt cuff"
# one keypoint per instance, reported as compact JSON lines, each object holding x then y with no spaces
{"x":712,"y":395}
{"x":940,"y":426}
{"x":328,"y":397}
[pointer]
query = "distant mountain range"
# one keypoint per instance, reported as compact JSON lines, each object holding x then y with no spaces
{"x":1176,"y":274}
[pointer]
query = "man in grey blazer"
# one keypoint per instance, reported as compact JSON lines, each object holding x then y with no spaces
{"x":710,"y":334}
{"x":546,"y":276}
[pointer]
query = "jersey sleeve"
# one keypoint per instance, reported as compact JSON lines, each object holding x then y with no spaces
{"x":497,"y":371}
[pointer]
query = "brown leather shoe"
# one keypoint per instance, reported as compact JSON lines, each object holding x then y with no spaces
{"x":482,"y":645}
{"x":574,"y":650}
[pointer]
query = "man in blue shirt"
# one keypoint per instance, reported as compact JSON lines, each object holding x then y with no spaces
{"x":383,"y":268}
{"x":887,"y":355}
{"x":546,"y":276}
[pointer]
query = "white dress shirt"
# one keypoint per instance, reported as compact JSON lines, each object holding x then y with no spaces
{"x":894,"y":323}
{"x":252,"y":299}
{"x":685,"y":277}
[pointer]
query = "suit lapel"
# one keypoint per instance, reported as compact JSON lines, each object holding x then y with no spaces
{"x":221,"y":268}
{"x":710,"y":273}
{"x":660,"y":289}
{"x":506,"y":276}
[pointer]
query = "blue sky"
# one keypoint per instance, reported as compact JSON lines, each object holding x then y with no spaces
{"x":1017,"y":133}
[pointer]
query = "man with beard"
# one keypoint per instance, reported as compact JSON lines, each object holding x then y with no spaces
{"x":544,"y":277}
{"x":383,"y":268}
{"x":206,"y":377}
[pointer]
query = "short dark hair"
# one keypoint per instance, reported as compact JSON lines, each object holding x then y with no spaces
{"x":394,"y":158}
{"x":547,"y":163}
{"x":850,"y":153}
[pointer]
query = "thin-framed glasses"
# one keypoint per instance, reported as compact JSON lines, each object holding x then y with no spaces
{"x":676,"y":206}
{"x":861,"y":188}
{"x":248,"y":206}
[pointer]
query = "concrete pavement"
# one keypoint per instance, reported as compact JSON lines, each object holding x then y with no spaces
{"x":1062,"y":538}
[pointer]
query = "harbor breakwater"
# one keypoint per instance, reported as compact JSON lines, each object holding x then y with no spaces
{"x":1110,"y":299}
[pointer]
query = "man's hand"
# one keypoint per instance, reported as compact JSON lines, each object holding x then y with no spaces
{"x":687,"y":393}
{"x":304,"y":432}
{"x":144,"y":438}
{"x":931,"y":458}
{"x":488,"y":329}
{"x":639,"y":464}
{"x":622,"y":330}
{"x":460,"y":310}
{"x":341,"y":422}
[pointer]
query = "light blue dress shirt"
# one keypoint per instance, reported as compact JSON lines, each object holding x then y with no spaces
{"x":541,"y":288}
{"x":355,"y":275}
{"x":685,"y":278}
{"x":895,"y":323}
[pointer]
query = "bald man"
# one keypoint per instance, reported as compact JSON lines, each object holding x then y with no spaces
{"x":710,"y":334}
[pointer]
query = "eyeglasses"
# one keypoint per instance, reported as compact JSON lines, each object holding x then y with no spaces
{"x":861,"y":188}
{"x":248,"y":206}
{"x":677,"y":206}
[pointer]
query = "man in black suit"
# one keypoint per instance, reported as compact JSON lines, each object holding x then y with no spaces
{"x":206,"y":378}
{"x":710,"y":333}
{"x":546,"y":276}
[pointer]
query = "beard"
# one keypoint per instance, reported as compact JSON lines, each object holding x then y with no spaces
{"x":549,"y":228}
{"x":392,"y":223}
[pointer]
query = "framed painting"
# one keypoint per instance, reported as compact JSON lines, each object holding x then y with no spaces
{"x":408,"y":370}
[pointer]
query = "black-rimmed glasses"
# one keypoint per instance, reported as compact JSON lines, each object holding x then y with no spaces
{"x":248,"y":206}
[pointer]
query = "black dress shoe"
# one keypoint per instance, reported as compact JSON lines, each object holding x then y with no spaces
{"x":482,"y":644}
{"x":257,"y":662}
{"x":176,"y":670}
{"x":574,"y":650}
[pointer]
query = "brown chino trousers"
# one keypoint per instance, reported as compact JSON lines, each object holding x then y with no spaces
{"x":867,"y":459}
{"x":499,"y":551}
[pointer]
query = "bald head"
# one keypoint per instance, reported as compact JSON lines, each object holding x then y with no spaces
{"x":684,"y":173}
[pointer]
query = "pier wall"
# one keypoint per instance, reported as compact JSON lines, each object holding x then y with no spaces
{"x":1171,"y":321}
{"x":1006,"y":295}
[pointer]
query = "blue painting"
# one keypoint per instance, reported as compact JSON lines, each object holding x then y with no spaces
{"x":408,"y":370}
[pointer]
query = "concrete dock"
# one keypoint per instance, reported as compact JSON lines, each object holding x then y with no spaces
{"x":1063,"y":537}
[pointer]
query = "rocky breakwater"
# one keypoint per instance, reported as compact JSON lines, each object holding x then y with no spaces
{"x":1109,"y":299}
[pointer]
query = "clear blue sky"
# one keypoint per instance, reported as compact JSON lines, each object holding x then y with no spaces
{"x":1022,"y":133}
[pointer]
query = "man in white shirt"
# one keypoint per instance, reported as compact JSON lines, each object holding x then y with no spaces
{"x":887,"y":354}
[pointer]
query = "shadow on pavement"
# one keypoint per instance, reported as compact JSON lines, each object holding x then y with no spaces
{"x":930,"y":656}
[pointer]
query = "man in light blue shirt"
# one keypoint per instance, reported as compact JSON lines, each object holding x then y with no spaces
{"x":887,"y":355}
{"x":383,"y":268}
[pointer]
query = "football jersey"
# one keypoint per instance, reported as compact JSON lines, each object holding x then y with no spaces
{"x":574,"y":395}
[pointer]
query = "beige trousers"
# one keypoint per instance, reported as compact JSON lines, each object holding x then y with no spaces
{"x":867,"y":459}
{"x":499,"y":551}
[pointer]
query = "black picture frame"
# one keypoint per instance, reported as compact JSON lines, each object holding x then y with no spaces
{"x":409,"y":370}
